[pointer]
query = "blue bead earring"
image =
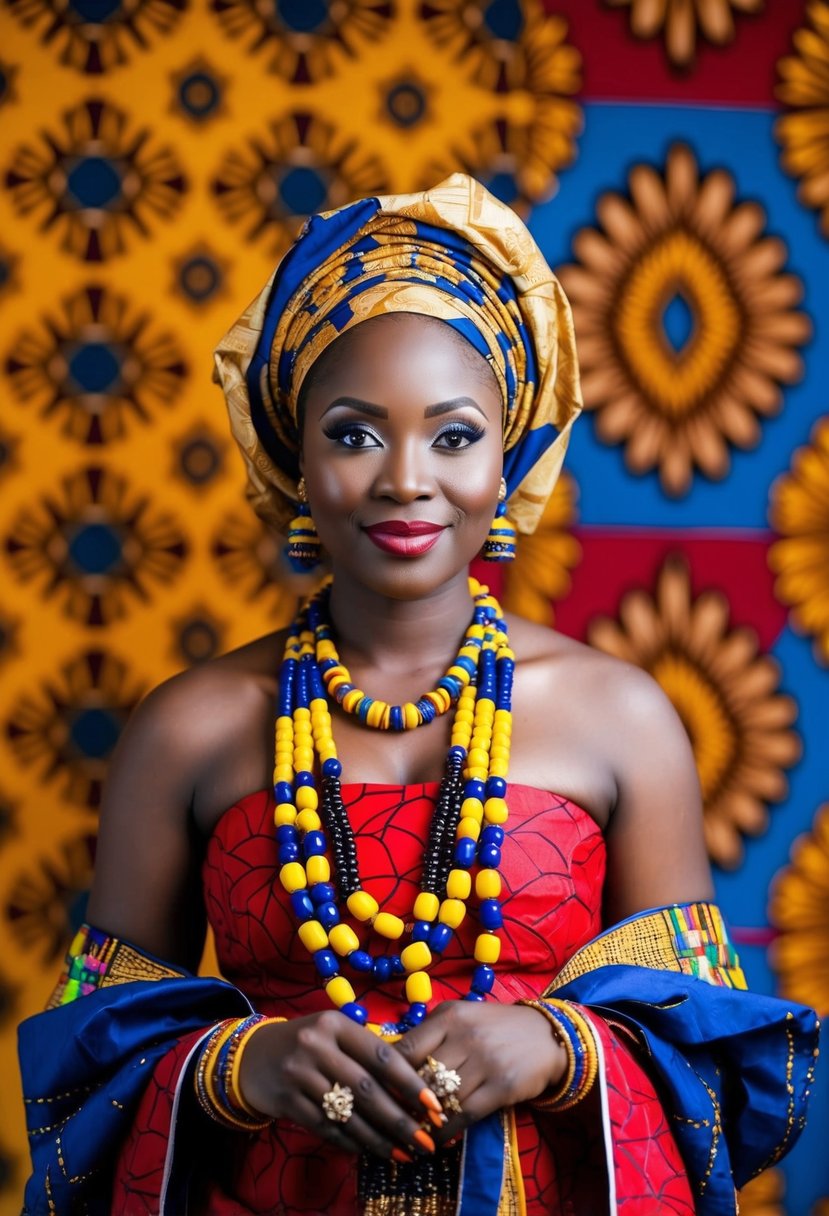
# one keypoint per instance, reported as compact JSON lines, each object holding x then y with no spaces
{"x":499,"y":545}
{"x":303,"y":548}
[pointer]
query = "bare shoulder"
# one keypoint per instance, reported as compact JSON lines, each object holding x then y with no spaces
{"x":202,"y":730}
{"x":599,"y":686}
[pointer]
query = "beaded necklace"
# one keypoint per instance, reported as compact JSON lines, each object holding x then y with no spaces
{"x":466,"y":827}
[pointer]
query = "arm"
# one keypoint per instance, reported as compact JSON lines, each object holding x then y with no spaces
{"x":655,"y":849}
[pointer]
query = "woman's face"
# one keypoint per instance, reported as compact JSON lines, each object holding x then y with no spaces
{"x":402,"y":453}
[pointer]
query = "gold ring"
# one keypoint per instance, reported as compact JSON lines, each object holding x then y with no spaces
{"x":338,"y":1103}
{"x":444,"y":1083}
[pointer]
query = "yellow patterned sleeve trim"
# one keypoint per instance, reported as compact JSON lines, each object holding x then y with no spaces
{"x":690,"y":938}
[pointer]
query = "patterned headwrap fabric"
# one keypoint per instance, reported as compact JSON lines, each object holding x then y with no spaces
{"x":454,"y":252}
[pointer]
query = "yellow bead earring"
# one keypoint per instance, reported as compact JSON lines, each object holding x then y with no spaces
{"x":303,"y":547}
{"x":499,"y":545}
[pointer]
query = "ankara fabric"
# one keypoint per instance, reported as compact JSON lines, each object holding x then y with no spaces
{"x":722,"y":1056}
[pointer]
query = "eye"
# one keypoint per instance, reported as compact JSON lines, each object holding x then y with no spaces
{"x":458,"y":435}
{"x":353,"y":435}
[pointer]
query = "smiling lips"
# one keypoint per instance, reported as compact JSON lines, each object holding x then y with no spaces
{"x":405,"y":538}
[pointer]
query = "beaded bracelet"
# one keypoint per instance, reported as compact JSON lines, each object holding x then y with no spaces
{"x":217,"y":1074}
{"x":577,"y":1038}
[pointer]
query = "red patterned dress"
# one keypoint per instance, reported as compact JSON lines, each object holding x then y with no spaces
{"x":553,"y":864}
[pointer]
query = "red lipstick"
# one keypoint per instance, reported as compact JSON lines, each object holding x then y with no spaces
{"x":404,"y":538}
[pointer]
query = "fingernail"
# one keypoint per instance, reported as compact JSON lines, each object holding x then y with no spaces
{"x":424,"y":1140}
{"x":430,"y":1100}
{"x":437,"y":1120}
{"x":397,"y":1154}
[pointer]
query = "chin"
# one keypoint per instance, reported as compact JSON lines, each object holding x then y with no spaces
{"x":409,"y":579}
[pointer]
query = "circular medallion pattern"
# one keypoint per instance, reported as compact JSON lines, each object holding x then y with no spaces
{"x":99,"y":182}
{"x":96,"y":546}
{"x":305,"y":39}
{"x":47,"y":900}
{"x":725,"y":693}
{"x":94,"y":36}
{"x":298,"y":166}
{"x":67,"y":726}
{"x":799,"y":514}
{"x":799,"y":908}
{"x":803,"y":134}
{"x":97,"y":365}
{"x":518,"y":53}
{"x":687,"y":322}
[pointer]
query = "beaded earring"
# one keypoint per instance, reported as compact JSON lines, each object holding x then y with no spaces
{"x":499,"y":545}
{"x":303,"y":547}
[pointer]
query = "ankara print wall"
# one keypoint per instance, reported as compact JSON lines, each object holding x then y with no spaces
{"x":672,"y":157}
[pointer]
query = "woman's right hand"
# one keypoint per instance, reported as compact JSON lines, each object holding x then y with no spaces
{"x":288,"y":1066}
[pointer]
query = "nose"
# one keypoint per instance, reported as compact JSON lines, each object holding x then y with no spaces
{"x":405,"y":474}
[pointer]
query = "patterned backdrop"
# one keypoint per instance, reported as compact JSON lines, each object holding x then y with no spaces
{"x":672,"y":156}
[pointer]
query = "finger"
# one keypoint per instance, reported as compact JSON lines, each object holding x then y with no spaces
{"x":308,"y":1113}
{"x":397,"y":1076}
{"x":391,"y":1123}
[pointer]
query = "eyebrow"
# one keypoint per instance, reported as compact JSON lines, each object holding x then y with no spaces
{"x":379,"y":411}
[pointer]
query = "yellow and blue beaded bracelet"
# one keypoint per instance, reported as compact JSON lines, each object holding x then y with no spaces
{"x":576,"y":1036}
{"x":216,"y":1078}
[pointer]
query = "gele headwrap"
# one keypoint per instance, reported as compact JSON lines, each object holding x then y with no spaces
{"x":454,"y":252}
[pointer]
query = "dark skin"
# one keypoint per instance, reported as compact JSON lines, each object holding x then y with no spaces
{"x":404,"y":424}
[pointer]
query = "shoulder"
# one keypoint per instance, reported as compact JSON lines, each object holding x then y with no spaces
{"x":194,"y":719}
{"x":593,"y":680}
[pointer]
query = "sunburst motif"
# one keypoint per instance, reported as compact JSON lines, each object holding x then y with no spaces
{"x":520,"y":53}
{"x":725,"y":693}
{"x":304,"y":41}
{"x":302,"y":165}
{"x":799,"y":908}
{"x":540,"y":573}
{"x":799,"y":513}
{"x":683,"y":21}
{"x":99,"y":183}
{"x":804,"y":133}
{"x":95,"y":546}
{"x":248,"y":556}
{"x":68,"y":726}
{"x":96,"y":364}
{"x":687,"y":323}
{"x":42,"y":906}
{"x":94,"y":41}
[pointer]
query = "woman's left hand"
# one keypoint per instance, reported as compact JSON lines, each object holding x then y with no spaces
{"x":504,"y":1054}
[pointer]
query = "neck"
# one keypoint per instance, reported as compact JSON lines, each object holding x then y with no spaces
{"x":399,"y":635}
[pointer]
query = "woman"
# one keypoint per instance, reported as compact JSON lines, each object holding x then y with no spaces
{"x":408,"y":371}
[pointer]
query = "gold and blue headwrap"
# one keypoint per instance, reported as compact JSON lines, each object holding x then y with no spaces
{"x":454,"y":252}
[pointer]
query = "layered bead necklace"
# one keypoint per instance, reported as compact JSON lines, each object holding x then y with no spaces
{"x":466,"y":830}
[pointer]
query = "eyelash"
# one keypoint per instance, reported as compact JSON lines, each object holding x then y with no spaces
{"x":341,"y":432}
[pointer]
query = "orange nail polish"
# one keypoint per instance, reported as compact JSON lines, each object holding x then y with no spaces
{"x":424,"y":1140}
{"x":437,"y":1120}
{"x":398,"y":1154}
{"x":430,"y":1100}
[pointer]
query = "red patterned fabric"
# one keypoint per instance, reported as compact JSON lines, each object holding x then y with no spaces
{"x":553,"y":870}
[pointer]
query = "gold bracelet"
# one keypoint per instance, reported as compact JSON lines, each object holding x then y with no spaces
{"x":232,"y":1086}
